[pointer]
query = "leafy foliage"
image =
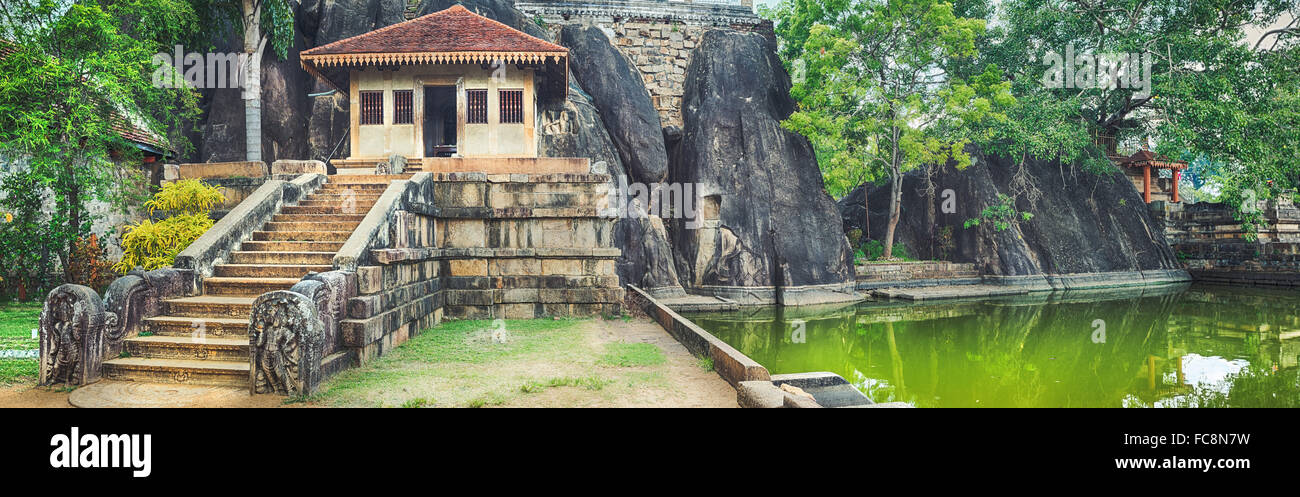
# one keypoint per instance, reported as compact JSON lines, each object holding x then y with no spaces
{"x":27,"y":259}
{"x":873,"y":96}
{"x":1001,"y":215}
{"x":75,"y":74}
{"x":90,"y":265}
{"x":189,"y":196}
{"x":151,"y":245}
{"x":1217,"y":96}
{"x":873,"y":250}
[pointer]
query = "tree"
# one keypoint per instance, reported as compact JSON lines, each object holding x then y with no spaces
{"x":73,"y":74}
{"x":1214,"y":94}
{"x":251,"y":16}
{"x":873,"y":92}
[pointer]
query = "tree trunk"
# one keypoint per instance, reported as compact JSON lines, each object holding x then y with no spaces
{"x":895,"y":198}
{"x":73,"y":198}
{"x":866,"y":212}
{"x":252,"y":94}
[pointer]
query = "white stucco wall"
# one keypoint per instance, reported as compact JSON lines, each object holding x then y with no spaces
{"x":474,"y":140}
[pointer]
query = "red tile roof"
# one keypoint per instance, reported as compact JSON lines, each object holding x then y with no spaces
{"x":138,"y":134}
{"x":1147,"y":157}
{"x":453,"y":30}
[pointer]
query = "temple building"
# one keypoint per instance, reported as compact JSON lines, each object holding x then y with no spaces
{"x":452,"y":84}
{"x":1139,"y":168}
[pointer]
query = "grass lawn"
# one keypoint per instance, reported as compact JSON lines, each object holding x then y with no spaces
{"x":16,"y":324}
{"x":538,"y":362}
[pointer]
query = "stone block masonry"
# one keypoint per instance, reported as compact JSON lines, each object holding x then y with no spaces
{"x":395,"y":302}
{"x":522,"y":246}
{"x":657,"y":35}
{"x":480,"y":246}
{"x":1214,"y":247}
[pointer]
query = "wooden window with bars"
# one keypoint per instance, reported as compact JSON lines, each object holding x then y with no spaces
{"x":512,"y":106}
{"x":372,"y":107}
{"x":476,"y":106}
{"x":402,"y":107}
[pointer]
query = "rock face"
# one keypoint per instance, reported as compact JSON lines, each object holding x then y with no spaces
{"x":294,"y":126}
{"x":576,"y":130}
{"x":617,"y":90}
{"x":767,"y":218}
{"x":1081,"y":223}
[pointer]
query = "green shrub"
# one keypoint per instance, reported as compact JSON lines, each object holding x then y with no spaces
{"x":855,"y":237}
{"x":153,"y":245}
{"x":1002,"y":215}
{"x":189,"y":196}
{"x":28,"y":245}
{"x":875,"y":250}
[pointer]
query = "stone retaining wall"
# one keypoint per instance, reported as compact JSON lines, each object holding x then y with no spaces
{"x":915,"y":274}
{"x":395,"y":302}
{"x":522,"y":246}
{"x":731,"y":364}
{"x":477,"y":246}
{"x":1214,"y":248}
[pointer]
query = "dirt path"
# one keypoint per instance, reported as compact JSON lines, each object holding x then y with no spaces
{"x":685,"y":383}
{"x":31,"y":396}
{"x":109,"y":393}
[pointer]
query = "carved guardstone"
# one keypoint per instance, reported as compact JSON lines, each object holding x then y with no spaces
{"x":330,"y":291}
{"x":134,"y":297}
{"x":285,"y":343}
{"x":72,"y":336}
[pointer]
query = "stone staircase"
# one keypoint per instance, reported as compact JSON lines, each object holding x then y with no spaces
{"x":203,"y":339}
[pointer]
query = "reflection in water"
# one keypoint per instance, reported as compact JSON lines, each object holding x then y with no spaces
{"x":1166,"y":346}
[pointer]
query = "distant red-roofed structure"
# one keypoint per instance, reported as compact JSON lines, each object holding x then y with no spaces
{"x":451,"y":83}
{"x":1138,"y":168}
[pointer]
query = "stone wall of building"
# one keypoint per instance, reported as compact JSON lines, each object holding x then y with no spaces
{"x":659,"y":36}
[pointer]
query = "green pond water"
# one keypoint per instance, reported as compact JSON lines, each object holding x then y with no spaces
{"x":1168,"y":346}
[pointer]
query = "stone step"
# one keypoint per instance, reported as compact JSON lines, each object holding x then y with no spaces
{"x":357,"y":176}
{"x":245,"y":286}
{"x":187,"y":371}
{"x":347,"y":226}
{"x":210,"y":306}
{"x":323,"y":209}
{"x":315,"y":236}
{"x":358,"y":195}
{"x":269,"y":270}
{"x":366,"y":175}
{"x":285,"y":246}
{"x":212,"y":325}
{"x":369,"y":188}
{"x":282,"y":257}
{"x":187,"y":347}
{"x":343,"y":206}
{"x":316,"y":218}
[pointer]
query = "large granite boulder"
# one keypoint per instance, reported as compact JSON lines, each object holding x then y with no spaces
{"x":767,"y":218}
{"x":619,"y":93}
{"x":1082,"y":222}
{"x":502,"y":11}
{"x":574,"y":129}
{"x":324,"y":22}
